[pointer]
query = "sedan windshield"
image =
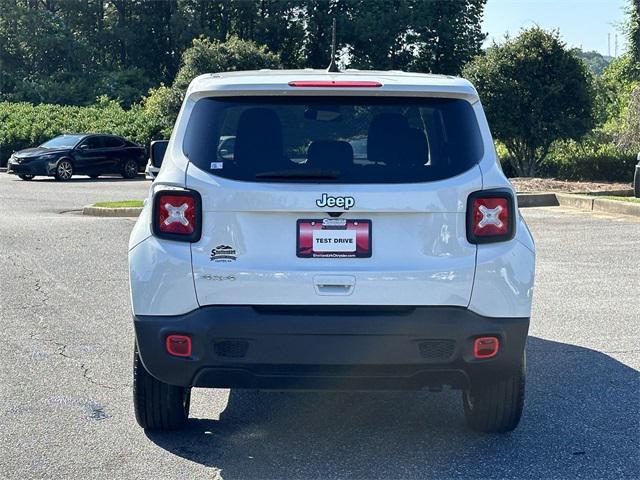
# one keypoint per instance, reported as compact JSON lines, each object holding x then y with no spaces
{"x":63,"y":141}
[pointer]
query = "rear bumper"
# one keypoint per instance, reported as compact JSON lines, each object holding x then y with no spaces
{"x":330,"y":348}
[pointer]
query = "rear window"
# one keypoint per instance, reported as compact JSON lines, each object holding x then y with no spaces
{"x":333,"y":139}
{"x":112,"y":142}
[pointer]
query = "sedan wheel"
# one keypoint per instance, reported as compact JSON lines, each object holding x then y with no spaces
{"x":130,"y":169}
{"x":64,"y":170}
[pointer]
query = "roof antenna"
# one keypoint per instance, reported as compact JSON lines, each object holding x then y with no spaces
{"x":333,"y":66}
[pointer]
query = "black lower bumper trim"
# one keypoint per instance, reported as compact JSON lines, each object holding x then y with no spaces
{"x":30,"y":168}
{"x":324,"y":377}
{"x":347,"y":348}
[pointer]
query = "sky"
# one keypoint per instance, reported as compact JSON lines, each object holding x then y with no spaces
{"x":582,"y":23}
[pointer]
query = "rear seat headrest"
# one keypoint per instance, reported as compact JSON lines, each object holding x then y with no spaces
{"x":385,"y":132}
{"x":330,"y":154}
{"x":259,"y":136}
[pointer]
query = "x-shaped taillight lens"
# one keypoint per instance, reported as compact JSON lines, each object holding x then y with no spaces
{"x":490,"y":217}
{"x":176,"y":215}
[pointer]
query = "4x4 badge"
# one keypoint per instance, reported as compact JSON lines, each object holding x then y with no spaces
{"x":340,"y":202}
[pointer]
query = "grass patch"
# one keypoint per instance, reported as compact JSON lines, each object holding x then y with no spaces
{"x":622,"y":199}
{"x":120,"y":204}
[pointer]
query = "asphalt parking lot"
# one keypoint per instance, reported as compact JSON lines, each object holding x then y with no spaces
{"x":67,"y":339}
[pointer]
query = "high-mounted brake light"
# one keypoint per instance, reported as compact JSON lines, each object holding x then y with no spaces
{"x":177,"y":215}
{"x":490,"y":216}
{"x":334,"y":83}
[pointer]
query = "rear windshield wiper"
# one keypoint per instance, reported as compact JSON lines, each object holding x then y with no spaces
{"x":306,"y":174}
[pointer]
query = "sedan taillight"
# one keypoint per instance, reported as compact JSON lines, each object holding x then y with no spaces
{"x":490,"y":216}
{"x":177,"y":215}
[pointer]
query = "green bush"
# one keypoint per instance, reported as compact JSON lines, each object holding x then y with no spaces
{"x":24,"y":125}
{"x":589,"y":159}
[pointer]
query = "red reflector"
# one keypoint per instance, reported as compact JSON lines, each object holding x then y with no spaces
{"x":176,"y":214}
{"x":485,"y":347}
{"x":179,"y":345}
{"x":490,"y":217}
{"x":334,"y":83}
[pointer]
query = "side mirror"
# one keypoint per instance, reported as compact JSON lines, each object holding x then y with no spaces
{"x":84,"y":146}
{"x":157,"y":150}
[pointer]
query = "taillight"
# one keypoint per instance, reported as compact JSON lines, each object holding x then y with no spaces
{"x":490,"y":216}
{"x":177,"y":215}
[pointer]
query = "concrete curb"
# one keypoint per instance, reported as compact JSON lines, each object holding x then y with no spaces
{"x":542,"y":199}
{"x":591,"y":204}
{"x":611,"y":193}
{"x":571,"y":200}
{"x":615,"y":206}
{"x":111,"y":212}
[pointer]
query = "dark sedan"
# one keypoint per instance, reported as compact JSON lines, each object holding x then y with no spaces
{"x":68,"y":155}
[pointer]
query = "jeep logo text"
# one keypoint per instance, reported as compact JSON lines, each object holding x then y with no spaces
{"x":340,"y":202}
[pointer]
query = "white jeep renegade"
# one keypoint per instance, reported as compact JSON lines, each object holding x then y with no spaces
{"x":314,"y":230}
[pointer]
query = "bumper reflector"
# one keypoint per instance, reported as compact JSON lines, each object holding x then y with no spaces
{"x":179,"y":345}
{"x":486,"y":347}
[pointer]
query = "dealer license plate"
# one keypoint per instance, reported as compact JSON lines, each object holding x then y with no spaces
{"x":334,"y":238}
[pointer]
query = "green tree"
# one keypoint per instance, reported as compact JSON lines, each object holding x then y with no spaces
{"x":212,"y":56}
{"x":623,"y":80}
{"x":534,"y":92}
{"x":71,"y":51}
{"x":633,"y":31}
{"x":437,"y":36}
{"x":206,"y":56}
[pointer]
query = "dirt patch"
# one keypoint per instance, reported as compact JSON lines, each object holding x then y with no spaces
{"x":523,"y":185}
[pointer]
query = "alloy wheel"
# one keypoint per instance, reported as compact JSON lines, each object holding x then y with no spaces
{"x":65,"y":170}
{"x":131,"y":169}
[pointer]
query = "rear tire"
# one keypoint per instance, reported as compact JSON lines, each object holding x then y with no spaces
{"x":130,"y":169}
{"x":26,"y":177}
{"x":636,"y":184}
{"x":496,"y":408}
{"x":158,"y":405}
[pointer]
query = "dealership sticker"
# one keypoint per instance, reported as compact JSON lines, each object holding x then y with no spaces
{"x":223,"y":253}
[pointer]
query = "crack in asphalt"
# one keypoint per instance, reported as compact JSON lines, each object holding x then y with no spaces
{"x":43,"y":292}
{"x":61,"y":349}
{"x":85,"y":375}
